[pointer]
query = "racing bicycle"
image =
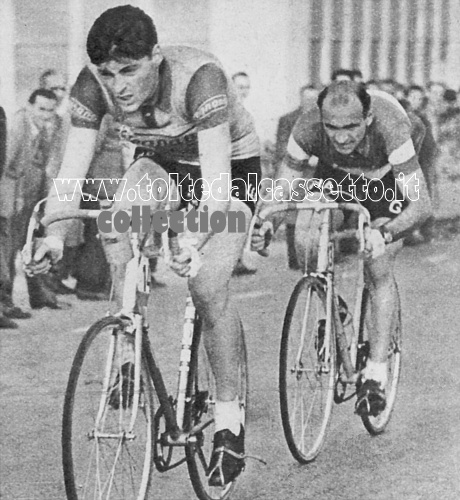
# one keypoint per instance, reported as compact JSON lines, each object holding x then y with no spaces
{"x":119,"y":421}
{"x":324,"y":345}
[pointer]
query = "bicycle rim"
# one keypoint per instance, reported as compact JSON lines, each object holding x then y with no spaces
{"x":307,"y":372}
{"x":376,"y":425}
{"x":104,"y":455}
{"x":200,"y":411}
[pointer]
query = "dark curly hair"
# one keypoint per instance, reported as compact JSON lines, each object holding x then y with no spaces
{"x":123,"y":31}
{"x":342,"y":90}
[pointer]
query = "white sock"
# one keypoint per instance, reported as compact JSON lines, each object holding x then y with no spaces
{"x":228,"y":416}
{"x":376,"y":371}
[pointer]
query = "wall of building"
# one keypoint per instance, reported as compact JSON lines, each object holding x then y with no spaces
{"x":281,"y":44}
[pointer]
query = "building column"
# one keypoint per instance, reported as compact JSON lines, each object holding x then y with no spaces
{"x":8,"y":57}
{"x":77,"y":39}
{"x":326,"y":42}
{"x":420,"y":38}
{"x":402,"y":61}
{"x":346,"y":57}
{"x":385,"y":43}
{"x":298,"y":70}
{"x":366,"y":43}
{"x":436,"y":70}
{"x":452,"y":74}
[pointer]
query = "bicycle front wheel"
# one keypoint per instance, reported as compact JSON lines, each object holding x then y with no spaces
{"x":376,"y":425}
{"x":200,"y":415}
{"x":107,"y":439}
{"x":307,"y":370}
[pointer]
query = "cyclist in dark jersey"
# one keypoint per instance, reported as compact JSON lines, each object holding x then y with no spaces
{"x":365,"y":144}
{"x":178,"y":110}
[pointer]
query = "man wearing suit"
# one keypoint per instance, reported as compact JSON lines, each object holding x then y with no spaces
{"x":308,"y":95}
{"x":23,"y":184}
{"x":5,"y":322}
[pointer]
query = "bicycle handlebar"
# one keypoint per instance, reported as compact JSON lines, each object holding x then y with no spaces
{"x":314,"y":205}
{"x":70,"y":214}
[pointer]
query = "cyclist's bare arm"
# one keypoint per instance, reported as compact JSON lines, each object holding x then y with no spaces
{"x":207,"y":102}
{"x":215,"y":150}
{"x":80,"y":147}
{"x":293,"y":166}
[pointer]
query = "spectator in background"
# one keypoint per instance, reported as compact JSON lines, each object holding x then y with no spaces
{"x":22,"y":185}
{"x":308,"y":96}
{"x":449,"y":123}
{"x":242,"y":85}
{"x":247,"y":263}
{"x":56,"y":81}
{"x":5,"y":322}
{"x":415,"y":100}
{"x":435,"y":105}
{"x":62,"y":278}
{"x":2,"y":140}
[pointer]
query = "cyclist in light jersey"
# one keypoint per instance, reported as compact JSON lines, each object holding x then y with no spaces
{"x":365,"y":143}
{"x":178,"y":108}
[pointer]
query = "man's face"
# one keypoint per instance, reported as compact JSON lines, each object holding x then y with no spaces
{"x":415,"y":98}
{"x":43,"y":111}
{"x":57,"y":84}
{"x":344,"y":124}
{"x":242,"y":86}
{"x":308,"y":98}
{"x":436,"y":92}
{"x":131,"y":82}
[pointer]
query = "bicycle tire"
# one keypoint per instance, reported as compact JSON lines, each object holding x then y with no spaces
{"x":102,"y":460}
{"x":377,"y":425}
{"x":303,"y":368}
{"x":201,"y":396}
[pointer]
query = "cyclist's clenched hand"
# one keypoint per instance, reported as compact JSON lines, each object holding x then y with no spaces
{"x":374,"y":244}
{"x":49,"y":252}
{"x":186,"y":263}
{"x":261,"y":236}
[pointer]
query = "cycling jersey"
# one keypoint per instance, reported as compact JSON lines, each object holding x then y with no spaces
{"x":382,"y":155}
{"x":195,"y":94}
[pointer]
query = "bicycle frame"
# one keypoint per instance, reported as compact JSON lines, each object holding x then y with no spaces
{"x":325,"y":270}
{"x":135,"y":297}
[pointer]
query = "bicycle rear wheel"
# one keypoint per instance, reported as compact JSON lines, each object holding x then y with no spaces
{"x":376,"y":425}
{"x":200,"y":412}
{"x":107,"y":455}
{"x":307,"y":371}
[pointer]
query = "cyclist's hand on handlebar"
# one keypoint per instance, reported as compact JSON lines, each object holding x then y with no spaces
{"x":374,"y":245}
{"x":261,"y":236}
{"x":49,"y":252}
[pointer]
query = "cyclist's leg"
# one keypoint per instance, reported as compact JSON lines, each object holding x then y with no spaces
{"x":223,"y":341}
{"x":210,"y":292}
{"x":384,"y":302}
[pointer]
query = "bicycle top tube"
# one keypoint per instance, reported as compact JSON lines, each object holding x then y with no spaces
{"x":314,"y":205}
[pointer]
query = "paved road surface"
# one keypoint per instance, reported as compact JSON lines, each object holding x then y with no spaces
{"x":418,"y":458}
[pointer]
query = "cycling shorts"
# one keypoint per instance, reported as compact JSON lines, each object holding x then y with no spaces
{"x":245,"y":174}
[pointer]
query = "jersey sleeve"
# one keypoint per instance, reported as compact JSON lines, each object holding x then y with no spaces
{"x":206,"y":98}
{"x":396,"y":128}
{"x":303,"y":136}
{"x":87,"y":102}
